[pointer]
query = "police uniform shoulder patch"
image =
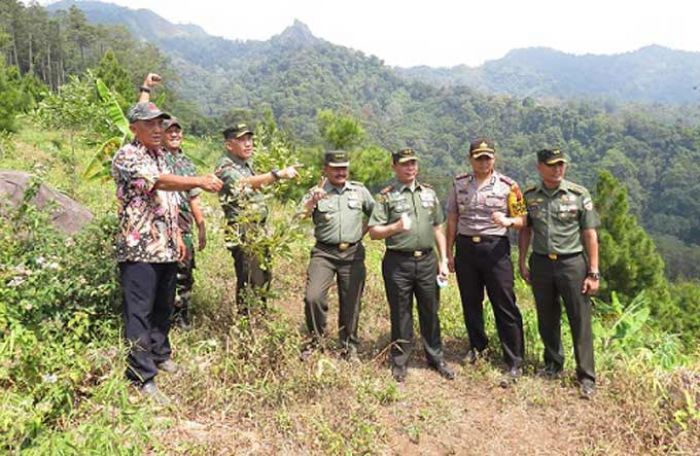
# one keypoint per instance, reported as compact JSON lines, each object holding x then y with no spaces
{"x":506,"y":179}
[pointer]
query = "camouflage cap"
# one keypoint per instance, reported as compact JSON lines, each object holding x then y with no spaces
{"x":404,"y":155}
{"x":172,"y":121}
{"x":237,"y":131}
{"x":482,"y":147}
{"x":145,"y":111}
{"x":551,"y":156}
{"x":336,"y":159}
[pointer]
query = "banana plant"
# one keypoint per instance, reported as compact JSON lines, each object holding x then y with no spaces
{"x":99,"y":166}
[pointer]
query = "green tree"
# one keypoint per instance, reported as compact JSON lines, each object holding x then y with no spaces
{"x":116,"y":78}
{"x":340,"y":131}
{"x":11,"y":98}
{"x":629,"y":261}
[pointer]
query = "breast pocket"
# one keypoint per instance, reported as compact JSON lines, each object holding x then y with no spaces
{"x":496,"y":202}
{"x":354,"y":204}
{"x":566,"y":213}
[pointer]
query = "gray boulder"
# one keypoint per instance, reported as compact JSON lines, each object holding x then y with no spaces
{"x":68,"y":216}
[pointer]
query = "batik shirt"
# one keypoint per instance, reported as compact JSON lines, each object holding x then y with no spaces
{"x":183,"y":166}
{"x":148,"y":227}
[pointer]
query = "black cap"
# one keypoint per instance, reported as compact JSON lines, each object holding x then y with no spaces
{"x":404,"y":155}
{"x":145,"y":111}
{"x":237,"y":131}
{"x":336,"y":159}
{"x":551,"y":156}
{"x":167,"y":123}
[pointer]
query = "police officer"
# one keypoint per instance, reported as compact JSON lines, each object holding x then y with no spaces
{"x":337,"y":207}
{"x":408,"y":216}
{"x":245,"y":210}
{"x":481,"y":206}
{"x":562,"y":226}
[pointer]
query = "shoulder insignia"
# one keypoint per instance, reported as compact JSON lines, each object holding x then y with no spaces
{"x":576,"y":188}
{"x":462,"y":176}
{"x":423,"y":184}
{"x":531,"y":188}
{"x":358,"y":183}
{"x":506,"y":179}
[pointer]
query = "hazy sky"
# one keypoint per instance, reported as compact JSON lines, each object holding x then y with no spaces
{"x":446,"y":33}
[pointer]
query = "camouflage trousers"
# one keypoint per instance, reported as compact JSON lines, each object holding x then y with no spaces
{"x":184,"y":281}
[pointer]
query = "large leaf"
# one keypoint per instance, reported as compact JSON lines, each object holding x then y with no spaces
{"x":99,"y":166}
{"x":116,"y":115}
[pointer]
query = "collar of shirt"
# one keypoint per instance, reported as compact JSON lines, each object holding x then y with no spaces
{"x":412,"y":187}
{"x":155,"y":153}
{"x":328,"y":187}
{"x":239,"y":161}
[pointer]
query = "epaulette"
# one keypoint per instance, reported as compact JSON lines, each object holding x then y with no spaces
{"x":531,"y":188}
{"x":576,"y":188}
{"x":358,"y":183}
{"x":423,"y":184}
{"x":386,"y":190}
{"x":461,"y":176}
{"x":507,"y":180}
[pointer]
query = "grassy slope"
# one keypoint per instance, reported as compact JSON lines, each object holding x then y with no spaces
{"x":243,"y":390}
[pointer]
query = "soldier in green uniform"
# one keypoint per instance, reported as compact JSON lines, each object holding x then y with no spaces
{"x":245,"y":209}
{"x":562,"y":227}
{"x":338,"y":208}
{"x":408,"y":216}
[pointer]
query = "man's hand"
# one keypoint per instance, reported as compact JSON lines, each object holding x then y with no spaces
{"x":500,"y":219}
{"x":451,"y":262}
{"x":290,"y":172}
{"x":201,"y":236}
{"x":181,"y":249}
{"x":524,"y":272}
{"x":443,"y":269}
{"x":210,"y":183}
{"x":590,"y":286}
{"x":152,"y":80}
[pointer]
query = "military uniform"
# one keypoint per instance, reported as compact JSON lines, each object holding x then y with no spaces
{"x":409,"y":268}
{"x":558,"y":269}
{"x":183,"y":166}
{"x":338,"y":252}
{"x":483,"y":260}
{"x":246,"y":212}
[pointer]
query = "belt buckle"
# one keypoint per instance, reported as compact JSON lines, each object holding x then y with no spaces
{"x":343,"y":246}
{"x":552,"y":256}
{"x":476,"y":239}
{"x":417,"y":253}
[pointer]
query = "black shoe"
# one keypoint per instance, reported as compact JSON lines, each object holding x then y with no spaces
{"x":399,"y":373}
{"x":444,"y":370}
{"x":511,"y":376}
{"x":472,"y":356}
{"x":550,"y":372}
{"x":587,"y":389}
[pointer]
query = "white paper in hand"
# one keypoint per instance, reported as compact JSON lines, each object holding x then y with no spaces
{"x":406,"y":219}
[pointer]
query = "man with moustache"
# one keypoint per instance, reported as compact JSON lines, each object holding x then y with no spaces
{"x":408,"y":217}
{"x":149,"y":243}
{"x":482,"y":205}
{"x":564,"y":264}
{"x":338,"y":208}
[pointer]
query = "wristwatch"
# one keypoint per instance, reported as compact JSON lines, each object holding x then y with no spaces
{"x":593,"y":275}
{"x":144,"y":89}
{"x":275,"y":173}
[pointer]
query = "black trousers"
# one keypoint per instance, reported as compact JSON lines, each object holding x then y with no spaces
{"x":487,"y":264}
{"x":348,"y":268}
{"x":405,"y":277}
{"x":250,"y":279}
{"x":552,"y":280}
{"x":148,"y":291}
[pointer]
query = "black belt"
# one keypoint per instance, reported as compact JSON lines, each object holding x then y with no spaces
{"x":343,"y":246}
{"x":557,"y":256}
{"x":410,"y":253}
{"x":482,"y":238}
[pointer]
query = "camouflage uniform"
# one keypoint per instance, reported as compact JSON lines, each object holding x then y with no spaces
{"x":246,"y":212}
{"x":183,"y":166}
